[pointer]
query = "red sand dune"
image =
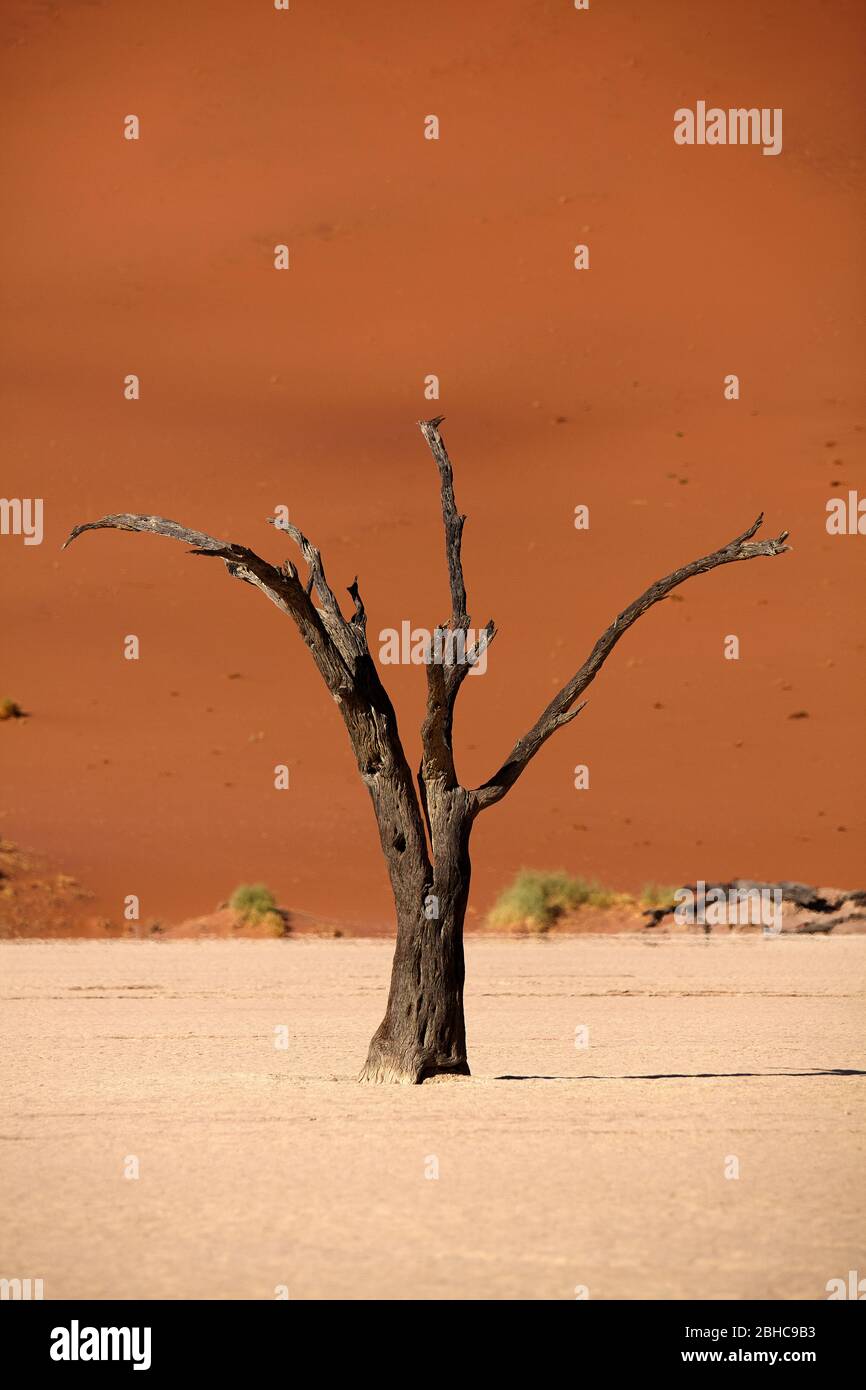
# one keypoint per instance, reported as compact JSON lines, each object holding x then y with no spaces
{"x":412,"y":257}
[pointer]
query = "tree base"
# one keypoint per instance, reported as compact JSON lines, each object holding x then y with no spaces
{"x":384,"y":1067}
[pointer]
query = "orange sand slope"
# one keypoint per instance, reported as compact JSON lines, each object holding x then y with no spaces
{"x":409,"y":258}
{"x":602,"y":1166}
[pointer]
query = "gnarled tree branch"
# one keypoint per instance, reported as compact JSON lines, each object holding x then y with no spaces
{"x":349,"y":638}
{"x":451,"y":518}
{"x":562,"y":709}
{"x":339,"y":649}
{"x":451,"y":659}
{"x":281,"y":586}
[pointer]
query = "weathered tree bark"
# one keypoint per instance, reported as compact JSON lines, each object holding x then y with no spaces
{"x":424,"y":834}
{"x":423,"y":1033}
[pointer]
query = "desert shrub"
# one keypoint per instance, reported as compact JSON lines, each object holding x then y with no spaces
{"x":657,"y":895}
{"x":253,"y":901}
{"x":536,"y":898}
{"x":276,"y":923}
{"x":10,"y":709}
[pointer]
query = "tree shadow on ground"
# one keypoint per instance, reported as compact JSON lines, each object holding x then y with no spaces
{"x":690,"y":1075}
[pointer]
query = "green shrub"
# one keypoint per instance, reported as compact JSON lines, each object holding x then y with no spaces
{"x":535,"y":900}
{"x":253,"y":901}
{"x":657,"y":895}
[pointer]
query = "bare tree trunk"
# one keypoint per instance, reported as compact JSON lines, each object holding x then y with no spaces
{"x":423,"y":1033}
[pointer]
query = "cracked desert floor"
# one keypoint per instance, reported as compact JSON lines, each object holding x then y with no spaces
{"x":559,"y":1167}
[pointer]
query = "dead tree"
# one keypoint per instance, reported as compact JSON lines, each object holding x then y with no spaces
{"x":424,"y":832}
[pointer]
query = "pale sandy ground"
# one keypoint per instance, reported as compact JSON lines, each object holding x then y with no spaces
{"x":557,"y":1167}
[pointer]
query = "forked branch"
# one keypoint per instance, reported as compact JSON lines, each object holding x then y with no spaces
{"x":339,"y":649}
{"x":281,"y":586}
